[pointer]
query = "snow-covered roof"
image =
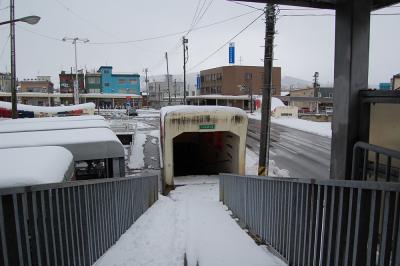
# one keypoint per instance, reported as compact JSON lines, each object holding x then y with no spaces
{"x":84,"y":144}
{"x":219,"y":96}
{"x":192,"y":109}
{"x":53,"y":125}
{"x":48,"y":109}
{"x":52,"y":119}
{"x":275,"y":102}
{"x":34,"y":165}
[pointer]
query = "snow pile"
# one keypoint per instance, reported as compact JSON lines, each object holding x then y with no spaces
{"x":136,"y":161}
{"x":33,"y":166}
{"x":252,"y":166}
{"x":49,"y":109}
{"x":190,"y":221}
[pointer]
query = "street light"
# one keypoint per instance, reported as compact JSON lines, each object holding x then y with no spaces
{"x":76,"y":82}
{"x":30,"y":20}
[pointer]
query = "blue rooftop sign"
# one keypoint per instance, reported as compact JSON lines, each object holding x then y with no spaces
{"x":231,"y":53}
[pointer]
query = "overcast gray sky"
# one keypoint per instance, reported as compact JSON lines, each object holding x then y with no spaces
{"x":303,"y":44}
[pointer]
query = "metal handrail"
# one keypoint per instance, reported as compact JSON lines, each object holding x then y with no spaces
{"x":319,"y":222}
{"x":366,"y":148}
{"x":71,"y":223}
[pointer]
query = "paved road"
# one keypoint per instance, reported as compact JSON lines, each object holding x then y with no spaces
{"x":303,"y":154}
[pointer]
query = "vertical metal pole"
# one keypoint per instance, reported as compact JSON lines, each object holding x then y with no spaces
{"x":14,"y":112}
{"x":76,"y":83}
{"x":169,"y":92}
{"x":184,"y":42}
{"x":159,"y":96}
{"x":266,"y":102}
{"x":251,"y":99}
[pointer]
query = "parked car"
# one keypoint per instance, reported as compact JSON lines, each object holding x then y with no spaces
{"x":131,"y":112}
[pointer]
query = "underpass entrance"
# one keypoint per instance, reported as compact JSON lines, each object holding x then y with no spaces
{"x":202,"y":140}
{"x":205,"y":153}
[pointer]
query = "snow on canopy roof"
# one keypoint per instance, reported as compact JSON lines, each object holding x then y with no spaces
{"x":34,"y":165}
{"x":53,"y":125}
{"x":84,"y":144}
{"x":191,"y":109}
{"x":49,"y":109}
{"x":52,"y":119}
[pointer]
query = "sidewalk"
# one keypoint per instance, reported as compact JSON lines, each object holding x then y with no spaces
{"x":192,"y":221}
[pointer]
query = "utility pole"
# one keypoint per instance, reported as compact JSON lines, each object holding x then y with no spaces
{"x":315,"y":86}
{"x":169,"y":92}
{"x":14,"y":112}
{"x":185,"y":50}
{"x":76,"y":82}
{"x":175,"y":89}
{"x":270,"y":19}
{"x":159,"y":96}
{"x":146,"y":80}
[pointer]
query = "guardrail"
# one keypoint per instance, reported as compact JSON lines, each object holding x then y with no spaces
{"x":371,"y":162}
{"x":70,"y":223}
{"x":310,"y":222}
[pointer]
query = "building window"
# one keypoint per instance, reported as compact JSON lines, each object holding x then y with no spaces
{"x":106,"y":71}
{"x":133,"y":81}
{"x":106,"y":84}
{"x":93,"y":80}
{"x":121,"y":81}
{"x":248,"y":76}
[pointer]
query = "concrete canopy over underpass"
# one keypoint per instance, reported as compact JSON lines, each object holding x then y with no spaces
{"x":202,"y":140}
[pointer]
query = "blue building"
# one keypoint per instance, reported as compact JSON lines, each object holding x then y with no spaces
{"x":385,"y":86}
{"x":118,"y":83}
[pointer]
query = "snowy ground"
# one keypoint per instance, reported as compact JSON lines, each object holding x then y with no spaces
{"x":189,"y":221}
{"x":319,"y":128}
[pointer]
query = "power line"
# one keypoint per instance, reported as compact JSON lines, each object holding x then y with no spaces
{"x":83,"y":18}
{"x":205,"y":10}
{"x":195,"y":15}
{"x":242,"y":4}
{"x":144,"y":39}
{"x":172,"y":34}
{"x":39,"y":34}
{"x":195,"y":18}
{"x":332,"y":15}
{"x":4,"y":47}
{"x":227,"y":42}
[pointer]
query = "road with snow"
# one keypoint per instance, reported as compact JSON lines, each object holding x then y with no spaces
{"x":302,"y":153}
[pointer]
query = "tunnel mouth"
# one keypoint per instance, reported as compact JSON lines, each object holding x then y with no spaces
{"x":205,"y":153}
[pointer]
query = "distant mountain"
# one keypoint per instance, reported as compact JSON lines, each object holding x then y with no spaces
{"x":288,"y":82}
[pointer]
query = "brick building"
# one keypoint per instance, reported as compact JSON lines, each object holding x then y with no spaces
{"x":67,"y":82}
{"x":231,"y":80}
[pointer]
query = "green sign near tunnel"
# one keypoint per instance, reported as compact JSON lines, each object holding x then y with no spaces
{"x":209,"y":126}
